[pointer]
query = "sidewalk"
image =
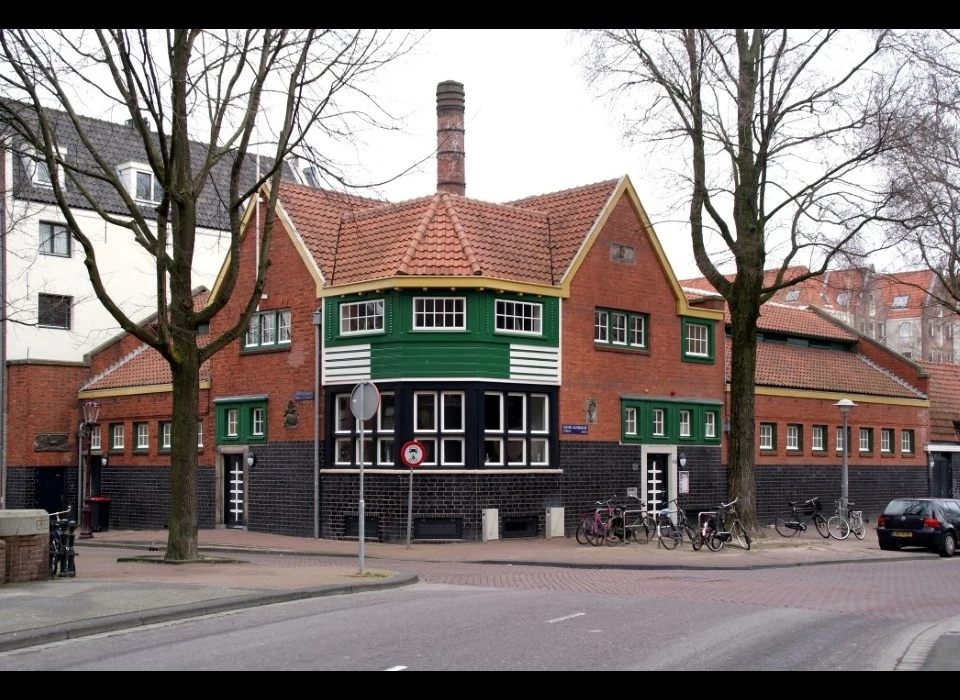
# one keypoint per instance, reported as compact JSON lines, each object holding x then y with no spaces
{"x":121,"y":581}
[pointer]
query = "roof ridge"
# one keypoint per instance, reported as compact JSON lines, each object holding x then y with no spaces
{"x":418,"y":235}
{"x":461,"y":234}
{"x":891,"y":375}
{"x":116,"y":365}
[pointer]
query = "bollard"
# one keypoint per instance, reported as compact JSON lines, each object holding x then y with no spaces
{"x":68,"y":567}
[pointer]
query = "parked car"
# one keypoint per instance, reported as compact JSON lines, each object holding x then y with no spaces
{"x":920,"y":522}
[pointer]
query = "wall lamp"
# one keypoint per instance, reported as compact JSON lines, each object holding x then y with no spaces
{"x":683,"y":460}
{"x":251,"y":459}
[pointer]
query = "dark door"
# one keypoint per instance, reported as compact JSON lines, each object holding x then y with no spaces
{"x":656,"y":481}
{"x":942,"y":476}
{"x":233,"y":486}
{"x":49,"y":490}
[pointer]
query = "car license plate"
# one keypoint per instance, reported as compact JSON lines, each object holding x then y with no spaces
{"x":902,"y":533}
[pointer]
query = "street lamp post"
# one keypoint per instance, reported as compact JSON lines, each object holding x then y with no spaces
{"x":91,"y":411}
{"x":844,"y":405}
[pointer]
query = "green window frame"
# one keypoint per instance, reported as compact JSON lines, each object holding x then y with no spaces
{"x":645,"y":421}
{"x":698,"y":340}
{"x":621,"y":329}
{"x":268,"y":329}
{"x":241,"y":421}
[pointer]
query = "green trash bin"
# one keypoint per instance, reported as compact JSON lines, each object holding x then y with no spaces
{"x":100,"y":513}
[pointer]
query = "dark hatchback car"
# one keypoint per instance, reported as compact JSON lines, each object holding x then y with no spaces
{"x":920,"y":522}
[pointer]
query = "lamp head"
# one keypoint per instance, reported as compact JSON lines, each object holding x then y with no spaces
{"x":683,"y":460}
{"x":845,"y":405}
{"x":251,"y":459}
{"x":103,"y":461}
{"x":91,"y":411}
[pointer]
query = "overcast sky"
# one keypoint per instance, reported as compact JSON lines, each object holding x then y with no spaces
{"x":532,"y":125}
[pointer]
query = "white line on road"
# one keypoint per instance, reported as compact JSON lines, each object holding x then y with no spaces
{"x":395,"y":668}
{"x":568,"y":617}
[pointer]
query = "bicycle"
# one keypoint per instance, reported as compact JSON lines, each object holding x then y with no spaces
{"x":57,"y":555}
{"x":668,"y":534}
{"x":599,"y":526}
{"x":790,"y":523}
{"x":638,"y":524}
{"x":686,"y":529}
{"x":721,"y":533}
{"x":837,"y":524}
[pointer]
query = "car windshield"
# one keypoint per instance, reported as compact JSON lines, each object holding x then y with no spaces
{"x":908,"y":507}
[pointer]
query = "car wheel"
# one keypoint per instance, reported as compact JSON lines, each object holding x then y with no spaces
{"x":949,"y":545}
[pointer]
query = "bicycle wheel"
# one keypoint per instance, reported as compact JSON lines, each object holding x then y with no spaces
{"x":582,"y":530}
{"x":714,"y":544}
{"x":669,"y":536}
{"x":613,"y":533}
{"x":786,"y":519}
{"x":740,"y":535}
{"x":821,"y":523}
{"x":693,"y":536}
{"x":856,"y":526}
{"x":839,"y":527}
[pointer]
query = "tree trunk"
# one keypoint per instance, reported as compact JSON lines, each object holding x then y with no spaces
{"x":742,"y":437}
{"x":183,"y":522}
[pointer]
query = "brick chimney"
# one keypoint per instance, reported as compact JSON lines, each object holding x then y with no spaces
{"x":451,"y":175}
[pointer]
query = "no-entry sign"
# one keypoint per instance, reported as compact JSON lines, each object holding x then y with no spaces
{"x":413,"y":453}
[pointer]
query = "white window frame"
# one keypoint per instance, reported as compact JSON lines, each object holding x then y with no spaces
{"x":233,"y":422}
{"x":766,"y":436}
{"x":200,"y":434}
{"x":142,"y":437}
{"x":793,"y":437}
{"x":901,"y":301}
{"x":419,"y":427}
{"x":523,"y":412}
{"x":95,"y":438}
{"x":698,"y":340}
{"x":166,"y":429}
{"x":684,"y":423}
{"x":36,"y":166}
{"x":257,"y":423}
{"x":658,"y":422}
{"x":270,"y":328}
{"x":886,"y":440}
{"x":539,"y":413}
{"x":116,"y":436}
{"x":440,"y":310}
{"x":864,"y":440}
{"x":710,"y":424}
{"x":906,"y":441}
{"x":817,"y":439}
{"x":630,"y":421}
{"x":638,"y":331}
{"x":361,"y":317}
{"x":522,"y":317}
{"x":601,"y":328}
{"x":618,"y":328}
{"x":841,"y":438}
{"x":793,"y":295}
{"x":445,"y":397}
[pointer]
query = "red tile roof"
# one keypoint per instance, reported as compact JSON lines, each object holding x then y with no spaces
{"x":532,"y":240}
{"x":141,"y":367}
{"x":797,"y":367}
{"x":944,"y":406}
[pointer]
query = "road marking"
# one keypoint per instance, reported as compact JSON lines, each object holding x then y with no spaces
{"x":395,"y":668}
{"x":568,"y":617}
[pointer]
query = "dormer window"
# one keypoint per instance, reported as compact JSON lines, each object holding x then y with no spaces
{"x":38,"y":171}
{"x":900,"y":301}
{"x":793,"y":295}
{"x":141,"y":182}
{"x":310,"y":176}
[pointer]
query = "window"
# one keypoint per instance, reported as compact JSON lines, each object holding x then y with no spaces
{"x":54,"y":239}
{"x":361,"y":317}
{"x":233,"y":424}
{"x":900,"y":301}
{"x":41,"y":174}
{"x":906,"y":330}
{"x":866,"y":439}
{"x":709,"y":424}
{"x":818,"y":438}
{"x":148,"y":187}
{"x":620,"y":328}
{"x":906,"y":441}
{"x":630,"y":421}
{"x":658,"y":424}
{"x":697,"y":341}
{"x":141,"y":433}
{"x":310,"y":176}
{"x":379,"y":441}
{"x":165,"y":428}
{"x":871,"y":304}
{"x":841,"y":439}
{"x":518,"y":316}
{"x":268,"y":329}
{"x":256,"y":421}
{"x":793,"y":295}
{"x":768,"y":438}
{"x":95,"y":438}
{"x":439,"y":424}
{"x":200,"y":434}
{"x":439,"y":313}
{"x":36,"y":166}
{"x":886,"y":440}
{"x":843,"y":298}
{"x":54,"y":310}
{"x":794,"y":437}
{"x":881,"y":331}
{"x":622,"y":253}
{"x":601,"y":329}
{"x":684,"y":423}
{"x":116,"y":436}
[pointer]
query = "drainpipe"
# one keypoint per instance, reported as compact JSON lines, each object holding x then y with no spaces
{"x":317,"y":320}
{"x":3,"y":328}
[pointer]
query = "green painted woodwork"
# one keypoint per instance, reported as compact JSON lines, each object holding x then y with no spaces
{"x":709,"y":359}
{"x":671,"y":424}
{"x":244,"y":411}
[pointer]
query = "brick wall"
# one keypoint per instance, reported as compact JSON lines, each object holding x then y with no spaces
{"x":26,"y":558}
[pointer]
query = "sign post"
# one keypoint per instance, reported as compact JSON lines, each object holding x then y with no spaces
{"x":364,"y":402}
{"x":412,"y":455}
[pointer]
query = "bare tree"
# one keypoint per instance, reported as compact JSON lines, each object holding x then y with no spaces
{"x":923,"y":175}
{"x":775,"y":130}
{"x":233,"y":91}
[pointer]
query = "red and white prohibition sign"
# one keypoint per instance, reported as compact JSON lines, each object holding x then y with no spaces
{"x":413,"y":453}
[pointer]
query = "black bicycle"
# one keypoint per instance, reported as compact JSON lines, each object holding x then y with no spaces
{"x":684,"y":528}
{"x":790,"y":523}
{"x":724,"y":526}
{"x":57,"y":557}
